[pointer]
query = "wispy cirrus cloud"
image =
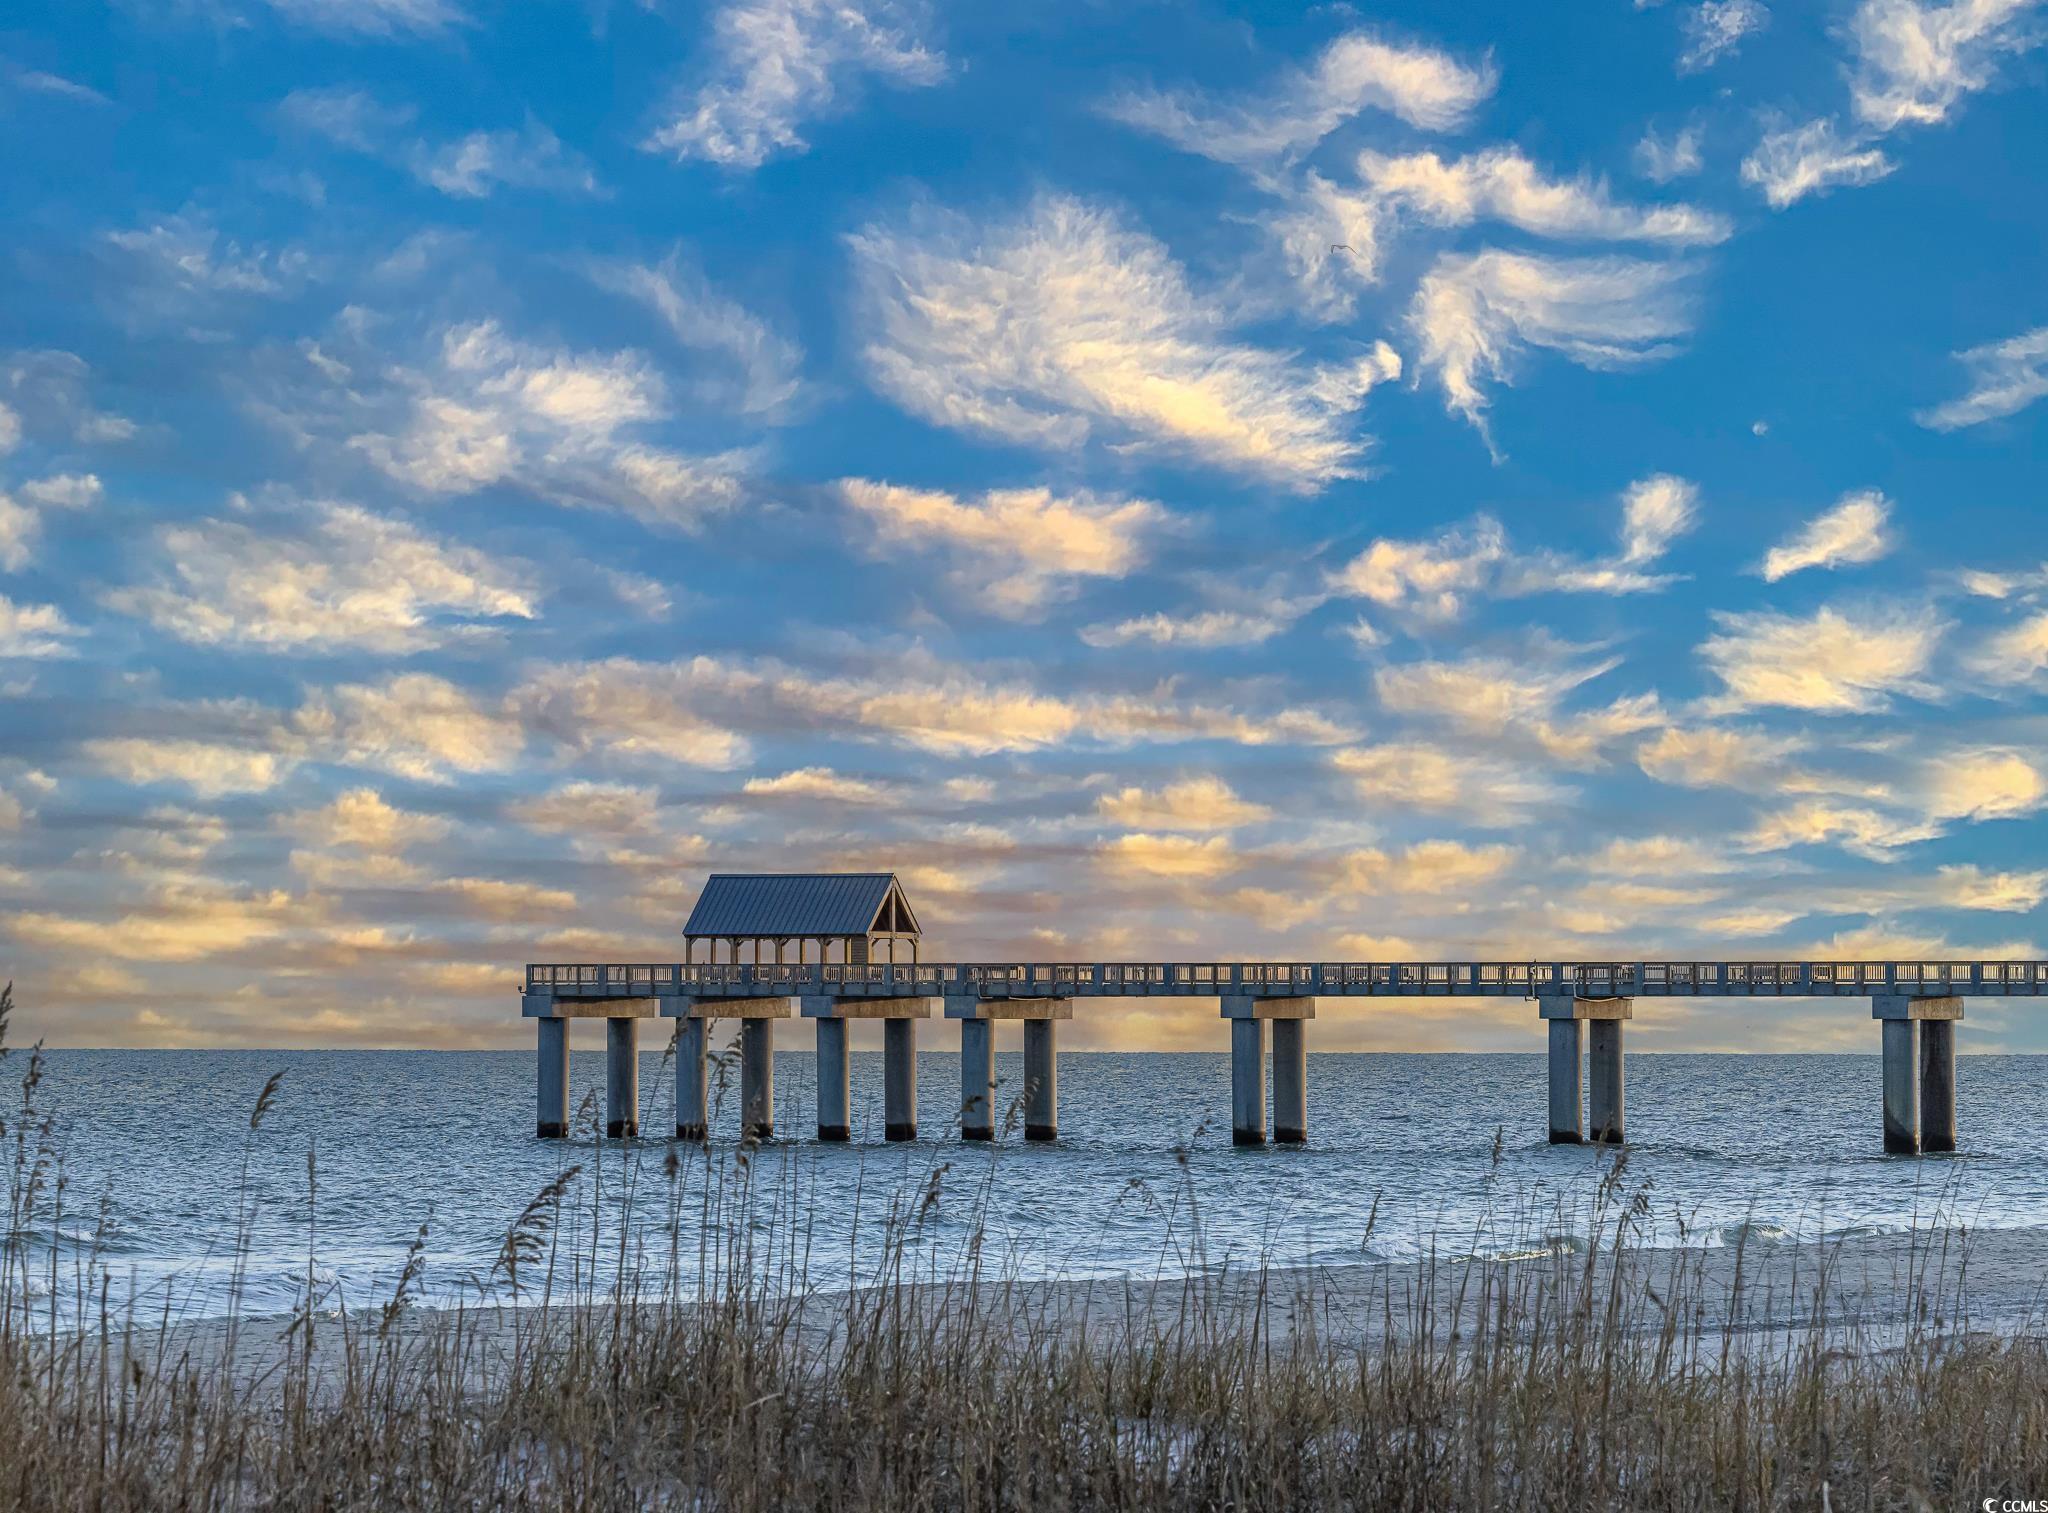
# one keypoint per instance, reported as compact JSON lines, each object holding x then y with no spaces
{"x":778,"y":64}
{"x":2005,"y":377}
{"x":758,"y":369}
{"x":1502,"y":184}
{"x":1913,"y":63}
{"x":1425,"y":87}
{"x":1715,"y":28}
{"x":344,"y":578}
{"x":1061,"y":323}
{"x":1853,"y":532}
{"x":1015,"y":550}
{"x":1831,"y":662}
{"x":1476,"y":313}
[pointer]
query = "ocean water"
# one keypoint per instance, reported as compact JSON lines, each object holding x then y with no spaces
{"x":160,"y":1168}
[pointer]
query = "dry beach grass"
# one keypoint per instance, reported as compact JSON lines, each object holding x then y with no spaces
{"x":738,"y":1370}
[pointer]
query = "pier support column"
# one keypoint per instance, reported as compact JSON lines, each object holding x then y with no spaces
{"x":977,"y":1018}
{"x":1041,"y":1079}
{"x":1937,"y":1085}
{"x":1248,"y":1013}
{"x":551,"y":1106}
{"x":1290,"y":1081}
{"x":1567,"y":1018}
{"x":691,"y":1104}
{"x":757,"y":1079}
{"x":977,"y":1079}
{"x":835,"y":1082}
{"x":1247,"y":1082}
{"x":1605,"y":1083}
{"x":1919,"y":1071}
{"x":899,"y":1079}
{"x":899,"y":1018}
{"x":621,"y":1078}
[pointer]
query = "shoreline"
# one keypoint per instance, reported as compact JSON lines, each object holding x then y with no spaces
{"x":1861,"y":1294}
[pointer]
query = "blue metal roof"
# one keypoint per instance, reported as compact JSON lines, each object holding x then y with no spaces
{"x":778,"y":904}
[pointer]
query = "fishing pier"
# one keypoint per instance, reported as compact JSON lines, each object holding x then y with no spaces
{"x":1584,"y":1007}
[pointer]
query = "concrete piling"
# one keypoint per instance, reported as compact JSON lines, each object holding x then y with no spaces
{"x":977,"y":1079}
{"x":1901,"y":1087}
{"x":621,"y":1078}
{"x":1605,"y":1082}
{"x":899,"y":1079}
{"x":757,"y":1079}
{"x":1565,"y":1107}
{"x":551,"y":1105}
{"x":1247,"y":1082}
{"x":1041,"y":1079}
{"x":1938,"y":1085}
{"x":1919,"y":1071}
{"x":1290,"y":1081}
{"x":692,"y":1118}
{"x":1567,"y":1016}
{"x":835,"y":1082}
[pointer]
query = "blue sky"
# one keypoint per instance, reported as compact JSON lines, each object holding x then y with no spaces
{"x":1171,"y":481}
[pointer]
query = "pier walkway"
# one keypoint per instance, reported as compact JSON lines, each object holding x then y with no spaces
{"x":1584,"y":1006}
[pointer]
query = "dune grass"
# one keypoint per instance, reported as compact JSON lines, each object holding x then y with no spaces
{"x":737,"y":1370}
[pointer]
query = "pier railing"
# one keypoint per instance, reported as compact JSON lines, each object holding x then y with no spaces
{"x":1326,"y":979}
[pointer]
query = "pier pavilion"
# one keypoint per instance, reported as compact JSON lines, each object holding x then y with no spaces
{"x":1584,"y":1006}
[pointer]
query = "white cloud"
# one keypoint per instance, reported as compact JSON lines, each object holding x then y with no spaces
{"x":1017,"y":549}
{"x":1852,"y":532}
{"x":1501,"y":184}
{"x":21,"y":525}
{"x":761,"y":366}
{"x":1199,"y":629}
{"x":820,"y":783}
{"x":48,"y":394}
{"x":10,"y":430}
{"x":1791,"y":163}
{"x":779,"y":63}
{"x":1830,"y":663}
{"x":348,"y":117}
{"x":1915,"y":61}
{"x":2017,"y":653}
{"x":1202,"y":803}
{"x":532,"y":157}
{"x":1496,"y":698}
{"x":1175,"y":856}
{"x":32,"y":631}
{"x":1358,"y":72}
{"x":1661,"y":159}
{"x":1982,"y":783}
{"x":608,"y":809}
{"x":492,"y":410}
{"x":1431,"y":867}
{"x":1715,"y":28}
{"x":2005,"y":377}
{"x":415,"y":725}
{"x":1428,"y":578}
{"x":1049,"y":327}
{"x":210,"y":769}
{"x":376,"y":18}
{"x":65,"y":491}
{"x":1434,"y":580}
{"x":1329,"y":238}
{"x":353,"y":579}
{"x":1714,"y":757}
{"x":1474,"y":313}
{"x":1815,"y":822}
{"x":1970,"y":887}
{"x":1655,"y":511}
{"x":361,"y":818}
{"x":1413,"y":775}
